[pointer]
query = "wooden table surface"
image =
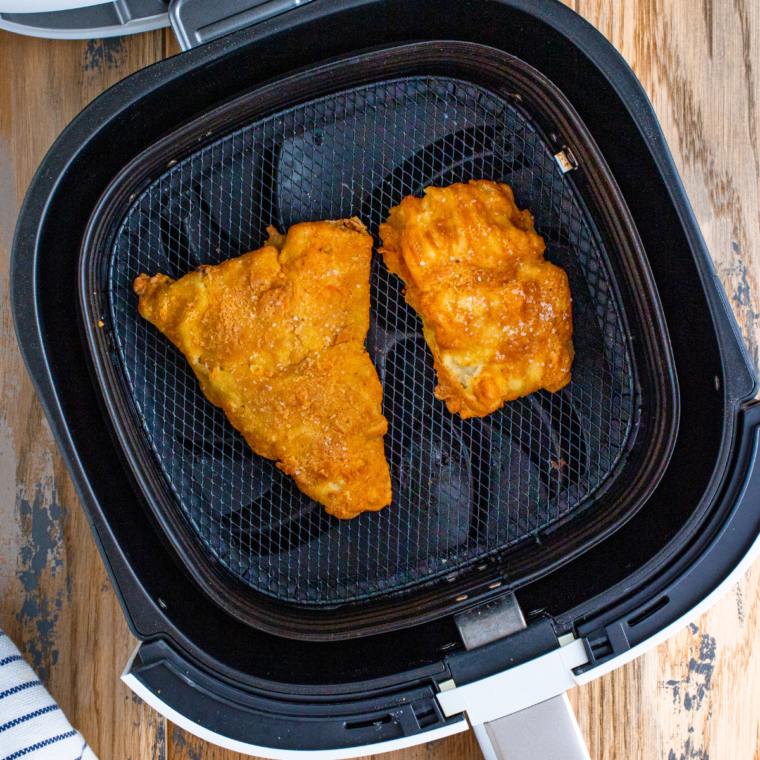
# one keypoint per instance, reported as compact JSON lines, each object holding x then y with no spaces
{"x":695,"y":696}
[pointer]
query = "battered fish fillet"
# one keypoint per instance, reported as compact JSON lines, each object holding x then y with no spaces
{"x":276,"y":339}
{"x":495,"y":314}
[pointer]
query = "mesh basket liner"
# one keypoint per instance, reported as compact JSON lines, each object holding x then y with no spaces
{"x":462,"y":490}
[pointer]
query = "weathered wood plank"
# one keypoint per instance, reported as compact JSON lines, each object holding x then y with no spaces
{"x":55,"y":598}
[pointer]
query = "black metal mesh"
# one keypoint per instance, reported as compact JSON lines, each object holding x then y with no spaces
{"x":462,"y":489}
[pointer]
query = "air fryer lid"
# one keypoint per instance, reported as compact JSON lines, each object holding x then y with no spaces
{"x":479,"y":505}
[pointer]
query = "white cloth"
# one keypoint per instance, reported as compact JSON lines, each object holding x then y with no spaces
{"x":32,"y":726}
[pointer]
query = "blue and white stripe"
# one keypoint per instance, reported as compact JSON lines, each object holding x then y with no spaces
{"x":32,"y":726}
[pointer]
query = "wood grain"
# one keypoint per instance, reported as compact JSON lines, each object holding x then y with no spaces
{"x":696,"y":696}
{"x":56,"y":602}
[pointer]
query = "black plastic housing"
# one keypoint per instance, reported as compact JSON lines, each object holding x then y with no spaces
{"x":680,"y":545}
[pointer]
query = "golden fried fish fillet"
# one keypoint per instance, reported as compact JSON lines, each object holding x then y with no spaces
{"x":276,"y":339}
{"x":495,"y":314}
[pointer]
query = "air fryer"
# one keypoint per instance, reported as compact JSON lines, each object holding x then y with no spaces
{"x":523,"y":553}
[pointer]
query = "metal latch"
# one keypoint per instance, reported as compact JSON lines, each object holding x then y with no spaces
{"x":490,"y":621}
{"x":566,"y":160}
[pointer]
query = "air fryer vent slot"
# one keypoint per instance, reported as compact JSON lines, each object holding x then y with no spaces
{"x":426,"y":714}
{"x":600,"y":645}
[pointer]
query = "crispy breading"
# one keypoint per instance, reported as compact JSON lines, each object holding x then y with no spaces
{"x":276,"y":339}
{"x":495,"y":314}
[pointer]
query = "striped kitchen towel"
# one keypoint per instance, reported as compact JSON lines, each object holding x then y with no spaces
{"x":32,"y":725}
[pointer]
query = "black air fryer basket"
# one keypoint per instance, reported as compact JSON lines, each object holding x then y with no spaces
{"x":513,"y":495}
{"x":602,"y":510}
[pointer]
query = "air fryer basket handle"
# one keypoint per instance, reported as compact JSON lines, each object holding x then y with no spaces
{"x":198,"y":21}
{"x":546,"y":731}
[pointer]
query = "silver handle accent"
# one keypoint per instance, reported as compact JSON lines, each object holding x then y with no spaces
{"x":490,"y":621}
{"x":546,"y":731}
{"x":198,"y":21}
